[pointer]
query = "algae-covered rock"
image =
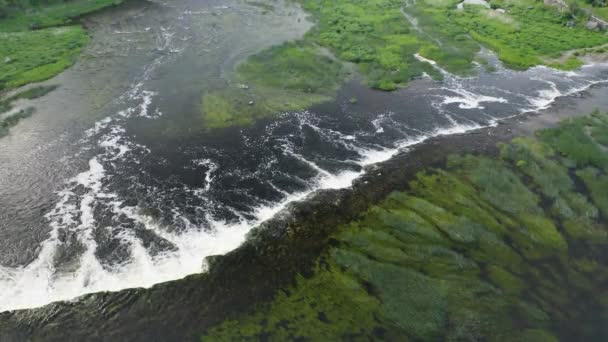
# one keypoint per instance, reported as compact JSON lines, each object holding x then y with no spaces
{"x":508,"y":282}
{"x":507,"y":248}
{"x":536,"y":335}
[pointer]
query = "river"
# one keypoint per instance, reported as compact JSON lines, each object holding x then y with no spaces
{"x":115,"y":182}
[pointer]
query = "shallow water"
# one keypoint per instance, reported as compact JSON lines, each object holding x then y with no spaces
{"x":115,"y":182}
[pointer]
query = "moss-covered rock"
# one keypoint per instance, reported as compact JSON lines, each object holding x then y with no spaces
{"x":505,"y":248}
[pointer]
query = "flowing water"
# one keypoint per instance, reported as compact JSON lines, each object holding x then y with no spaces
{"x":115,"y":182}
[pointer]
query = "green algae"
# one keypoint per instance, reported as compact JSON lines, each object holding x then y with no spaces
{"x":288,"y":77}
{"x":29,"y":94}
{"x":573,"y":141}
{"x":329,"y":305}
{"x":480,"y":250}
{"x":13,"y":119}
{"x":508,"y":282}
{"x":537,"y":335}
{"x":597,"y":183}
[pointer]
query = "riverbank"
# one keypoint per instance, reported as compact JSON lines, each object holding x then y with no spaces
{"x":387,"y":44}
{"x":274,"y":254}
{"x":37,"y":43}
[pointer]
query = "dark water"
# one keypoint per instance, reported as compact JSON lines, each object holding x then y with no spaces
{"x":116,"y":183}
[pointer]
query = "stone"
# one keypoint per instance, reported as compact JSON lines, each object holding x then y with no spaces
{"x":570,"y":23}
{"x":592,"y":25}
{"x":7,"y":59}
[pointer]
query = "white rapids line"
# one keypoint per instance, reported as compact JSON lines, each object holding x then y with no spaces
{"x":39,"y":283}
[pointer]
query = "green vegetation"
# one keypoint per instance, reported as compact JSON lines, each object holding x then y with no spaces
{"x":288,"y":77}
{"x":523,"y":33}
{"x":22,"y":15}
{"x":13,"y":119}
{"x":33,"y":56}
{"x":507,"y":248}
{"x":31,"y":49}
{"x":583,"y":8}
{"x":372,"y":34}
{"x":32,"y":93}
{"x":8,"y":121}
{"x":381,"y":39}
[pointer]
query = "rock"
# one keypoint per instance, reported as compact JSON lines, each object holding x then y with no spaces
{"x":570,"y":23}
{"x":7,"y":59}
{"x":592,"y":25}
{"x":251,"y":103}
{"x":500,"y":10}
{"x":530,"y":7}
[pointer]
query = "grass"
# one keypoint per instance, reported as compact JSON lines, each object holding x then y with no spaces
{"x":523,"y":36}
{"x":372,"y":34}
{"x":33,"y":49}
{"x":38,"y":55}
{"x":480,"y":250}
{"x":376,"y":37}
{"x":50,"y":14}
{"x":288,"y":77}
{"x":597,"y":8}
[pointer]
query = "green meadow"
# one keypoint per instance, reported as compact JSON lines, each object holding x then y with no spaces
{"x":39,"y":40}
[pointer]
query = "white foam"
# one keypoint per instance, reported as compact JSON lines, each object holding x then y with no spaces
{"x":378,"y":123}
{"x":40,"y":283}
{"x":470,"y":100}
{"x":545,"y":97}
{"x":424,"y":59}
{"x":211,"y":168}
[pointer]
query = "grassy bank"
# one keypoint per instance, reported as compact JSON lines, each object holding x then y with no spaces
{"x":380,"y":38}
{"x":33,"y":48}
{"x":32,"y":56}
{"x":37,"y":42}
{"x":488,"y":248}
